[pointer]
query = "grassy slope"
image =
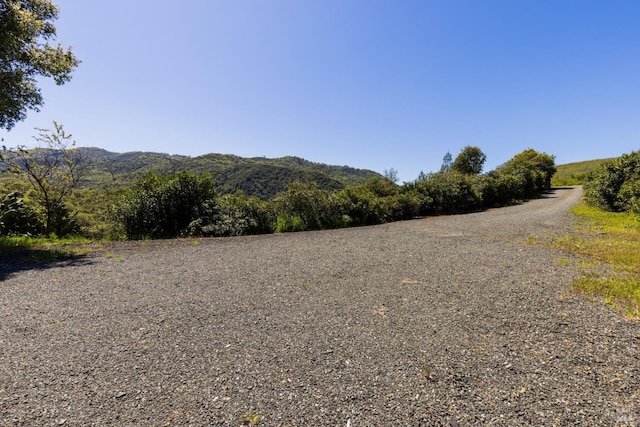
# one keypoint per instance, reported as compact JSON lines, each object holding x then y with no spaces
{"x":574,"y":173}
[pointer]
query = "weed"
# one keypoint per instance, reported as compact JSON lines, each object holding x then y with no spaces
{"x":425,"y":370}
{"x":251,"y":419}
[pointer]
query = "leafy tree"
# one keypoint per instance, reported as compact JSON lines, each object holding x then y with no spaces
{"x":53,"y":169}
{"x":470,"y":161}
{"x":533,"y":169}
{"x":26,"y":28}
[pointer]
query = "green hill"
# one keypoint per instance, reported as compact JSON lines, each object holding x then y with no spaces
{"x":256,"y":176}
{"x":574,"y":173}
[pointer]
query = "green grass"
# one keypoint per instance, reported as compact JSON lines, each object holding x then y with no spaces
{"x":41,"y":249}
{"x":609,"y":247}
{"x":574,"y":173}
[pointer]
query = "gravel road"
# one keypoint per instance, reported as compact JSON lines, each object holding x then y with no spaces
{"x":445,"y":321}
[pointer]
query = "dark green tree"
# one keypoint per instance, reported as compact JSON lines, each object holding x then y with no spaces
{"x":470,"y":161}
{"x":26,"y":30}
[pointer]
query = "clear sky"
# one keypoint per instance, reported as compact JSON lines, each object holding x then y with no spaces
{"x":375,"y":84}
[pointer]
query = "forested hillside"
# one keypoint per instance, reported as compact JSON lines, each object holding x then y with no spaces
{"x":256,"y":176}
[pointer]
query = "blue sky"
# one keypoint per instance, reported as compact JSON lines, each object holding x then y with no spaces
{"x":367,"y":83}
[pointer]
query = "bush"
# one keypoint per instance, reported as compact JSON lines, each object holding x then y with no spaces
{"x":532,"y":172}
{"x":164,"y":206}
{"x":358,"y":205}
{"x":16,"y":218}
{"x":63,"y":222}
{"x":448,"y":193}
{"x":304,"y":207}
{"x":232,"y":215}
{"x":615,"y":185}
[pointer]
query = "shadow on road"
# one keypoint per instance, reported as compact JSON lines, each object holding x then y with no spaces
{"x":551,"y":194}
{"x":36,"y":259}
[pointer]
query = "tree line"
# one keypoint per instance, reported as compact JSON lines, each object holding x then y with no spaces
{"x":187,"y":204}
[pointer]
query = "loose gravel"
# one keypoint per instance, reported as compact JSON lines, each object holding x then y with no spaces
{"x":445,"y":321}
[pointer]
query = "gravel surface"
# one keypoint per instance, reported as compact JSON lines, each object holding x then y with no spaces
{"x":446,"y":321}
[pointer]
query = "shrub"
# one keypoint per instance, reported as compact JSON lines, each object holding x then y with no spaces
{"x":448,"y":193}
{"x":358,"y":205}
{"x":532,"y":172}
{"x":164,"y":206}
{"x":304,"y":207}
{"x":401,"y":206}
{"x":16,"y":218}
{"x":232,"y":215}
{"x":615,"y":185}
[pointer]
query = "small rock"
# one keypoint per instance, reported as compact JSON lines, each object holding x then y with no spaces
{"x":120,"y":395}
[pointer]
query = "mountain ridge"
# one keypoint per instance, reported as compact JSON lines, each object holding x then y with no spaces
{"x":258,"y":176}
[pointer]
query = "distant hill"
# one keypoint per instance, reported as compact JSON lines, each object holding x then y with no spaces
{"x":574,"y":173}
{"x":256,"y":176}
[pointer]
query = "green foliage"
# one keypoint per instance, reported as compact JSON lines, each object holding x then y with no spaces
{"x":232,"y":215}
{"x":532,"y":172}
{"x":470,"y":161}
{"x":63,"y":222}
{"x":16,"y":218}
{"x":447,"y":193}
{"x":53,"y":169}
{"x":26,"y":27}
{"x":304,"y":207}
{"x":615,"y":185}
{"x":359,"y":205}
{"x":187,"y":204}
{"x":524,"y":176}
{"x":164,"y":206}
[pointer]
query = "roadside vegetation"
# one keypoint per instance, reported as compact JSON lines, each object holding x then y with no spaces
{"x":607,"y":234}
{"x":187,"y":204}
